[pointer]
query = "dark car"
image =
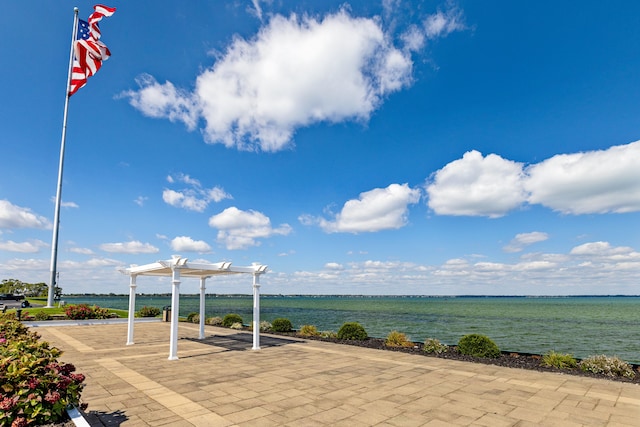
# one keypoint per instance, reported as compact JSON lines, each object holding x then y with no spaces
{"x":6,"y":297}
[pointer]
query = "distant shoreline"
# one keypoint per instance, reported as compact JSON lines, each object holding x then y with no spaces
{"x":358,"y":295}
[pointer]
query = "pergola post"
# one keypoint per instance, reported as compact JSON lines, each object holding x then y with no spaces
{"x":256,"y":311}
{"x":203,"y":288}
{"x":132,"y":309}
{"x":175,"y":309}
{"x":178,"y":267}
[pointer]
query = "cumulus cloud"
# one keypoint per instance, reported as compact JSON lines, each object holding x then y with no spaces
{"x":295,"y":72}
{"x":194,"y":197}
{"x":603,"y":181}
{"x":374,"y":210}
{"x":163,"y":101}
{"x":587,"y":266}
{"x":187,"y":244}
{"x":477,"y":186}
{"x":31,"y":246}
{"x":525,"y":239}
{"x":594,"y":182}
{"x":333,"y":266}
{"x":132,"y":247}
{"x":603,"y":251}
{"x":12,"y":216}
{"x":238,"y":229}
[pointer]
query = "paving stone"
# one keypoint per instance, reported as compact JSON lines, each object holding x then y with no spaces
{"x":313,"y":383}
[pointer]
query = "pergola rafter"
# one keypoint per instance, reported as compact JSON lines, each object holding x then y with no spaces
{"x":178,"y":267}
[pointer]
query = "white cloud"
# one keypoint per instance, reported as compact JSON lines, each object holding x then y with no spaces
{"x":187,"y":244}
{"x":413,"y":38}
{"x":296,"y":71}
{"x":31,"y":246}
{"x":525,"y":239}
{"x":444,"y":23}
{"x":163,"y":101}
{"x":333,"y":266}
{"x":132,"y":247}
{"x":181,"y":177}
{"x":75,"y":276}
{"x":140,"y":200}
{"x":64,"y":204}
{"x":594,"y":182}
{"x":82,"y":251}
{"x":217,"y":194}
{"x":239,"y":229}
{"x":195,"y":197}
{"x":603,"y":251}
{"x":477,"y":186}
{"x":592,"y":268}
{"x":12,"y":216}
{"x":185,"y":199}
{"x":257,"y":9}
{"x":600,"y":181}
{"x":374,"y":210}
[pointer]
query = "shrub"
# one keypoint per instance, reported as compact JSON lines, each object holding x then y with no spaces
{"x":84,"y":311}
{"x":265,"y":326}
{"x":148,"y":312}
{"x":191,"y":315}
{"x":610,"y":366}
{"x":558,"y":360}
{"x":236,"y":325}
{"x":213,"y":321}
{"x":352,"y":331}
{"x":432,"y":345}
{"x":195,"y":319}
{"x":397,"y":339}
{"x":230,"y":319}
{"x":308,"y":331}
{"x":42,"y":315}
{"x":26,"y":316}
{"x":36,"y":387}
{"x":478,"y":346}
{"x":281,"y":325}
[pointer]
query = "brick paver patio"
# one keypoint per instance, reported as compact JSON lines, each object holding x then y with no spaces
{"x":220,"y":381}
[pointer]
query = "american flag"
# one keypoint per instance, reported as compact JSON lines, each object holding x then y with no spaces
{"x":89,"y":51}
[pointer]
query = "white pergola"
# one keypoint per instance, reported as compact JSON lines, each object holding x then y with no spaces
{"x":178,"y":267}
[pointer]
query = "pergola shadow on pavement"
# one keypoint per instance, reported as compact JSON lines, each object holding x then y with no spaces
{"x":242,"y":341}
{"x":178,"y":267}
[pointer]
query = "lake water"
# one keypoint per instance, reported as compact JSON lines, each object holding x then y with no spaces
{"x":582,"y":326}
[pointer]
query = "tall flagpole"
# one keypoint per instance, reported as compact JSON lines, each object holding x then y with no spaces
{"x":56,"y":218}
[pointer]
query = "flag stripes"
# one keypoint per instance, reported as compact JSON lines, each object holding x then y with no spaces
{"x":89,"y":51}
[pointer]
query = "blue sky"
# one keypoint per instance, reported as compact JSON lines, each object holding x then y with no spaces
{"x":432,"y":148}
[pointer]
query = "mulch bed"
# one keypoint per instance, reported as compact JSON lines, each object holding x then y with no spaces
{"x":506,"y":359}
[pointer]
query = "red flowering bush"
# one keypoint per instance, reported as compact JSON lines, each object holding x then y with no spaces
{"x":35,"y":388}
{"x":85,"y":311}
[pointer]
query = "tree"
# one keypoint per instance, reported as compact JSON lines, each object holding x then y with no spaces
{"x":11,"y":286}
{"x":17,"y":287}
